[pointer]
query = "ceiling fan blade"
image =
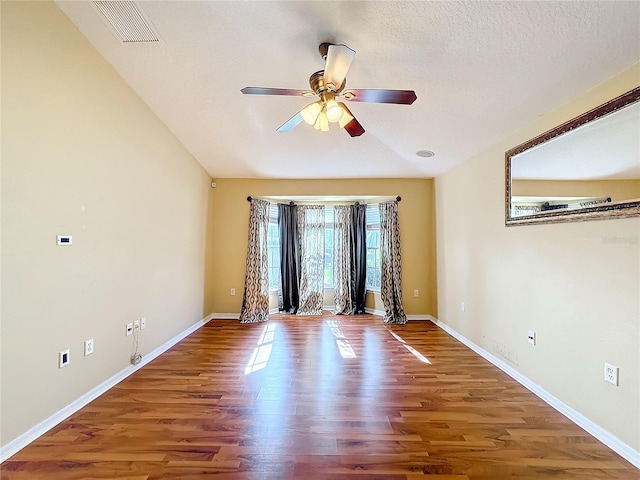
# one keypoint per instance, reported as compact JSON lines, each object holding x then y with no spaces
{"x":291,"y":123}
{"x":354,"y":128}
{"x":402,"y":97}
{"x":339,"y":58}
{"x":349,"y":122}
{"x":274,"y":91}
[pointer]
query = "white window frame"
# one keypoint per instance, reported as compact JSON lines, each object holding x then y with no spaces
{"x":273,"y":220}
{"x":373,"y":223}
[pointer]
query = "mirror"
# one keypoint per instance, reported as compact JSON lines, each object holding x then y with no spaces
{"x":585,"y":169}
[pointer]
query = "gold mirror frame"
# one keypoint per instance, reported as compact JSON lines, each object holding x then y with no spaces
{"x":596,"y":212}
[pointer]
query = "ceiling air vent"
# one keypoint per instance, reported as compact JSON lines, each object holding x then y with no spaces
{"x":126,"y":21}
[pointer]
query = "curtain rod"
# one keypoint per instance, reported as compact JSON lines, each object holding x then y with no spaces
{"x":249,"y":198}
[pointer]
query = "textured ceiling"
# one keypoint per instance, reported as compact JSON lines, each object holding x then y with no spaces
{"x":481,"y":70}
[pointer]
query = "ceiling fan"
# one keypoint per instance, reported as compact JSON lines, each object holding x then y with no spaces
{"x":329,"y":84}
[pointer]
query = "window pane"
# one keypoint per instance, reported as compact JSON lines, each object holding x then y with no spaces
{"x":371,"y":257}
{"x":328,"y":246}
{"x":373,"y":238}
{"x":373,"y":247}
{"x":273,"y":248}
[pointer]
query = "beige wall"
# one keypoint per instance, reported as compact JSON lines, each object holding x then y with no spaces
{"x":618,"y":190}
{"x":229,"y":212}
{"x":576,"y":284}
{"x":82,"y":155}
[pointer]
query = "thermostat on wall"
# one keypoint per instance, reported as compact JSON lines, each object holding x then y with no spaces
{"x":65,"y":240}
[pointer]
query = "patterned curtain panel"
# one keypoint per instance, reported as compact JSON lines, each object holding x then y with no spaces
{"x":255,"y":302}
{"x":358,"y":241}
{"x":391,"y":264}
{"x":288,"y":296}
{"x":342,"y":259}
{"x":311,"y":235}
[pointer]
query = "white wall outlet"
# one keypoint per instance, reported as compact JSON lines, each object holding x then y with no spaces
{"x":64,"y":358}
{"x":233,"y":291}
{"x":611,"y":374}
{"x":136,"y":326}
{"x":88,"y":347}
{"x":143,"y":323}
{"x":129,"y":329}
{"x":532,"y":337}
{"x":416,"y":293}
{"x":462,"y":306}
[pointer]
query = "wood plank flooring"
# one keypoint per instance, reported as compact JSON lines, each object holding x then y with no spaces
{"x":317,"y":398}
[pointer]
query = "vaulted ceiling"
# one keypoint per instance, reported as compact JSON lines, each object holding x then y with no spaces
{"x":481,"y":70}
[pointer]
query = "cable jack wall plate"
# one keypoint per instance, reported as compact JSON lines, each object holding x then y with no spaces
{"x":64,"y":358}
{"x":64,"y":240}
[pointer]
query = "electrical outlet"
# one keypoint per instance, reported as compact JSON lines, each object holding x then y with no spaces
{"x":64,"y":358}
{"x":462,"y":306}
{"x":88,"y":347}
{"x":143,"y":323}
{"x":233,"y":291}
{"x":129,"y":329}
{"x":416,"y":293}
{"x":611,"y":374}
{"x":532,"y":337}
{"x":136,"y":326}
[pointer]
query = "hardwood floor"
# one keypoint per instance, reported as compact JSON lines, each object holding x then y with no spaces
{"x":317,"y":398}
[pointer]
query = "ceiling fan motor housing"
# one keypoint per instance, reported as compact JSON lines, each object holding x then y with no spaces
{"x":316,"y":82}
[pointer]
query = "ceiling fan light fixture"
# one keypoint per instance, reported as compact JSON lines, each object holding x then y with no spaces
{"x":311,"y":112}
{"x":322,"y":124}
{"x":334,"y":112}
{"x":346,"y":116}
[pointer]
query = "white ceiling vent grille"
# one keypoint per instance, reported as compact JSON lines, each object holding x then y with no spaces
{"x":126,"y":21}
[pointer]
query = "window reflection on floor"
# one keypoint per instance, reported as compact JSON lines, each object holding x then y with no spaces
{"x":260,"y":355}
{"x":412,"y":350}
{"x":344,"y":346}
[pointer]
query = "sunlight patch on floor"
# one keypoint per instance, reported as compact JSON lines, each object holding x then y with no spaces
{"x":260,"y":355}
{"x":412,"y":350}
{"x":344,"y":346}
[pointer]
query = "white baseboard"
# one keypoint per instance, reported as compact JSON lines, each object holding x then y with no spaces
{"x":606,"y":437}
{"x":410,"y":318}
{"x":17,"y":444}
{"x":329,"y":308}
{"x":226,"y":316}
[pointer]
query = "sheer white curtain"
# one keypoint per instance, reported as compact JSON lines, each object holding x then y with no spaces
{"x":391,"y":264}
{"x":311,"y":235}
{"x":255,"y":302}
